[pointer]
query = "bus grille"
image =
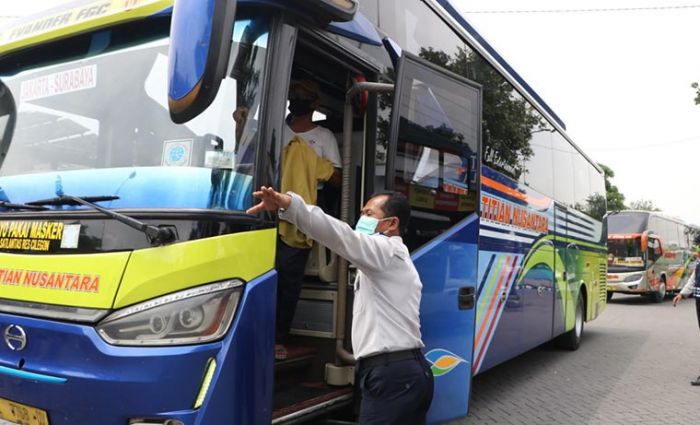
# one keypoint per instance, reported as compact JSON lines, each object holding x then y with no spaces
{"x":603,"y":282}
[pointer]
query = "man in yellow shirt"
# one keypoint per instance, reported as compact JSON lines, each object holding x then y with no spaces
{"x":310,"y":156}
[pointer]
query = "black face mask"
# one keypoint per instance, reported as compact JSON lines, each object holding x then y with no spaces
{"x":301,"y":106}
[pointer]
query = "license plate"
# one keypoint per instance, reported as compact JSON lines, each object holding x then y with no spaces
{"x":12,"y":413}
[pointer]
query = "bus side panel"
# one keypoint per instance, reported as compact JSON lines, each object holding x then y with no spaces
{"x":447,"y":268}
{"x":585,"y":260}
{"x":516,"y":271}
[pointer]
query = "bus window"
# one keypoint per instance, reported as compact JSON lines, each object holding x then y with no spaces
{"x":654,"y":252}
{"x":563,"y":170}
{"x":435,"y":161}
{"x":538,"y":172}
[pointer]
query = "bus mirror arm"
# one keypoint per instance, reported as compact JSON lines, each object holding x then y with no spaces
{"x":342,"y":355}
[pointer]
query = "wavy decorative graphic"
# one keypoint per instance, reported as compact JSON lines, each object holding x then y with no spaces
{"x":443,"y":361}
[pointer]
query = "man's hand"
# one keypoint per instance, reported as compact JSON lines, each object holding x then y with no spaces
{"x":270,"y":200}
{"x":677,"y":299}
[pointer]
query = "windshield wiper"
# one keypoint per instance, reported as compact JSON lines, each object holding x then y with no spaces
{"x":13,"y":206}
{"x":157,"y":235}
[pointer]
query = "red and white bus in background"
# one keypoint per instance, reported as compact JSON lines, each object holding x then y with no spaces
{"x":648,"y":253}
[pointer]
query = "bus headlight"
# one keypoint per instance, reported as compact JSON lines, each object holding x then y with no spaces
{"x":634,"y":277}
{"x":192,"y":316}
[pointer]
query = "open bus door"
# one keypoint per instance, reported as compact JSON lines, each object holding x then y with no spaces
{"x":433,"y":151}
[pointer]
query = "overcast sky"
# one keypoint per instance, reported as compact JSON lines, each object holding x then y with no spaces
{"x":620,"y":80}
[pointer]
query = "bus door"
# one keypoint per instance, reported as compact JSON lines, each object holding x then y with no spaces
{"x":433,"y":151}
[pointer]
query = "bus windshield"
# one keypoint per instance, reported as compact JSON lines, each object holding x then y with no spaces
{"x":98,"y":125}
{"x":627,"y":222}
{"x":625,"y":254}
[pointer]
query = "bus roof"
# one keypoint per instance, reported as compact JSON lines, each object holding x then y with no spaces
{"x":74,"y":18}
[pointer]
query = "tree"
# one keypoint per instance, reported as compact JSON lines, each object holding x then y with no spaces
{"x":508,"y":120}
{"x":696,"y":86}
{"x":616,"y":200}
{"x":643,"y":205}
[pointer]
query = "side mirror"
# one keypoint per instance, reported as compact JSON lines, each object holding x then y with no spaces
{"x":200,"y":44}
{"x":8,"y":116}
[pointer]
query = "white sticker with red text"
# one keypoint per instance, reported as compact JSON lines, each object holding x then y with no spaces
{"x":67,"y":81}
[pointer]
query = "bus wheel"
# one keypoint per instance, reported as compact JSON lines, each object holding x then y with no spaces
{"x":658,"y":296}
{"x":609,"y":296}
{"x":572,"y":339}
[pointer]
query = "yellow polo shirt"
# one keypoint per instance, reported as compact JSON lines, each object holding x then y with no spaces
{"x":302,"y":170}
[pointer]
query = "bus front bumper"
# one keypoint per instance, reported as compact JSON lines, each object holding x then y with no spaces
{"x":67,"y":371}
{"x":629,"y":283}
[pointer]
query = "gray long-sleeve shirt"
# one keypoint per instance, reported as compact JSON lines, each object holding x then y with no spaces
{"x":387,"y":287}
{"x":689,"y":285}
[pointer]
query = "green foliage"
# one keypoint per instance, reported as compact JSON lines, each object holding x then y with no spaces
{"x":696,"y":86}
{"x":616,"y":200}
{"x":508,"y":120}
{"x":596,"y":206}
{"x":643,"y":205}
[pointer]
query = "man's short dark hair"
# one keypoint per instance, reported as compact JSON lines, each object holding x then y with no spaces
{"x":396,"y":205}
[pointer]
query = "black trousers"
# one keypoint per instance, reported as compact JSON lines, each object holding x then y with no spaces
{"x":396,"y":393}
{"x":290,"y":264}
{"x":697,"y":309}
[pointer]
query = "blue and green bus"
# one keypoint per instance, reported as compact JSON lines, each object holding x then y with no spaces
{"x":134,"y":288}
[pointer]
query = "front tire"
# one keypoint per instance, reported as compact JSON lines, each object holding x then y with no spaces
{"x":572,"y":339}
{"x":609,"y":296}
{"x":660,"y":295}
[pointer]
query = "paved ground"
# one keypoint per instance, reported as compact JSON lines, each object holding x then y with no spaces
{"x":634,"y":367}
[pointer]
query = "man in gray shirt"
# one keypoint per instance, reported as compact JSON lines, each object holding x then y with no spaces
{"x":395,"y":379}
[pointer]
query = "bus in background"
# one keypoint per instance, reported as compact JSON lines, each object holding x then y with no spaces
{"x":134,"y":288}
{"x":648,"y":253}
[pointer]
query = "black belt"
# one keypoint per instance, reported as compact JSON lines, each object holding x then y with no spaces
{"x":385,"y":358}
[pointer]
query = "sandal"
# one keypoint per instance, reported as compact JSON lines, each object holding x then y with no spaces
{"x":280,"y":352}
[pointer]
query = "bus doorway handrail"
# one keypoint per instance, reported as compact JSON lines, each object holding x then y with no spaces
{"x":342,"y":355}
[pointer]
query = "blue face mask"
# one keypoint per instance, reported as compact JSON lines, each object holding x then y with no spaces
{"x":368,"y":225}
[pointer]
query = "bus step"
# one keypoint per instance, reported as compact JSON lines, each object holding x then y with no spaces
{"x":308,"y":400}
{"x":297,"y":356}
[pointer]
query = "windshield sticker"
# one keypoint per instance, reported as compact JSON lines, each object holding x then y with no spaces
{"x":70,"y":282}
{"x":71,"y":232}
{"x":177,"y":153}
{"x":628,"y":261}
{"x":29,"y":235}
{"x":57,"y":83}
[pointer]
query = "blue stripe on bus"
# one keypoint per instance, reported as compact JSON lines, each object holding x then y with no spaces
{"x":23,"y":374}
{"x":486,"y":274}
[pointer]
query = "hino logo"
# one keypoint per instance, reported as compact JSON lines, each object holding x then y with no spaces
{"x":15,"y":338}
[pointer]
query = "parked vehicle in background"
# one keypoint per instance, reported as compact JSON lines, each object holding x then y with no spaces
{"x":648,"y":253}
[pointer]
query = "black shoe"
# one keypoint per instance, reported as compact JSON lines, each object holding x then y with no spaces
{"x":696,"y":382}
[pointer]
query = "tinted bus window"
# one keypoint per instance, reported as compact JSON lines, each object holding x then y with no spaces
{"x":436,"y":162}
{"x":598,"y":203}
{"x":538,"y":171}
{"x":563,"y":170}
{"x":582,"y":184}
{"x":628,"y":222}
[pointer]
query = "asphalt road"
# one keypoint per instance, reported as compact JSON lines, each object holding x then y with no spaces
{"x":634,"y":366}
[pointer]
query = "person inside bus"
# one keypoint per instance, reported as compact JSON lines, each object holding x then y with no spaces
{"x":395,"y":379}
{"x":692,"y":287}
{"x":304,"y":100}
{"x":310,"y":157}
